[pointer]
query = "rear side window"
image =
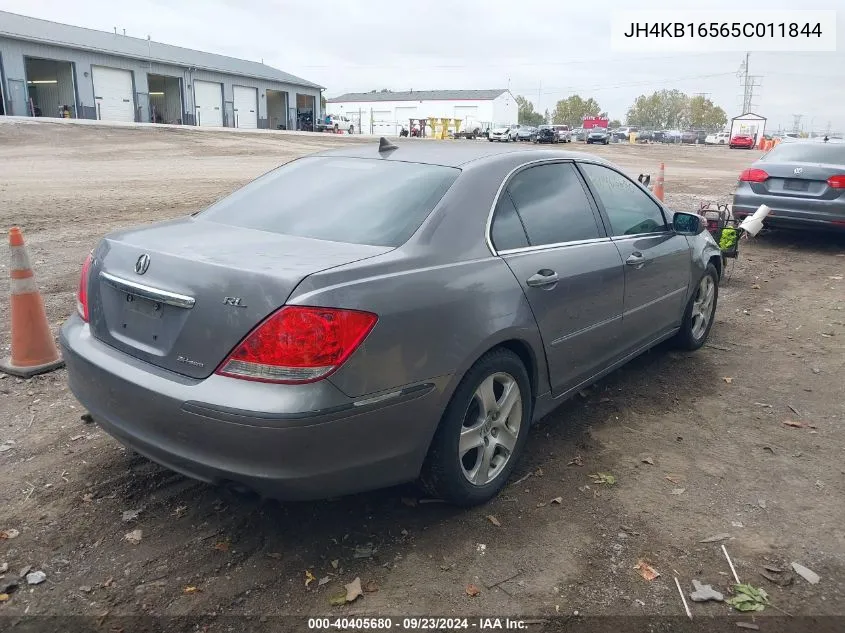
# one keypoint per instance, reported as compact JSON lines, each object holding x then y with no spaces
{"x":354,"y":200}
{"x":807,"y":153}
{"x":553,"y":205}
{"x":507,"y":231}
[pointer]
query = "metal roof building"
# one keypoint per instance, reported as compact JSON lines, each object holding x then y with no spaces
{"x":51,"y":69}
{"x":386,"y":112}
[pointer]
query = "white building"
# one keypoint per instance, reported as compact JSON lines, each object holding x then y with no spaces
{"x":386,"y":112}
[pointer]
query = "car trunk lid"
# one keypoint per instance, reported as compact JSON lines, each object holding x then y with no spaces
{"x":182,"y":294}
{"x":799,"y":180}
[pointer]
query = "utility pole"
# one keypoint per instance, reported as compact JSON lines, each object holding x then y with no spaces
{"x":749,"y":83}
{"x":539,"y":96}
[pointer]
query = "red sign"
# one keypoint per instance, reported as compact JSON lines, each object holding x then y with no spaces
{"x":595,"y":121}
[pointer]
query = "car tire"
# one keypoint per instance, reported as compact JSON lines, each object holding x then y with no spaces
{"x":490,"y":139}
{"x":700,"y":312}
{"x":456,"y":478}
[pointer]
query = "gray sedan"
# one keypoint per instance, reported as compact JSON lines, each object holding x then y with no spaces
{"x":803,"y":182}
{"x":405,"y":319}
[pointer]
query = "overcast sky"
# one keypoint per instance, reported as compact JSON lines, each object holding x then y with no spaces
{"x":543,"y":49}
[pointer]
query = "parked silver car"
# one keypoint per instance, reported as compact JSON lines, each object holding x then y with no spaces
{"x":803,"y":182}
{"x":407,"y":321}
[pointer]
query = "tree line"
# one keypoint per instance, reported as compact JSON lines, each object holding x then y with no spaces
{"x":663,"y":109}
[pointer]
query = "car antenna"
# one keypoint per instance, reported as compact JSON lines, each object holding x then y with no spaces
{"x":385,"y":146}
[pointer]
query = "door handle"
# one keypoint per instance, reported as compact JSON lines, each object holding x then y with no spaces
{"x":635,"y":259}
{"x":542,"y":278}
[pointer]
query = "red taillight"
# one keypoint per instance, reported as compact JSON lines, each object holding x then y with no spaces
{"x":836,"y":182}
{"x":299,"y":344}
{"x":753,"y":175}
{"x":82,"y":293}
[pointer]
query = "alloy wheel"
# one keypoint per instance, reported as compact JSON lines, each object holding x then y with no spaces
{"x":702,"y":306}
{"x":490,"y":428}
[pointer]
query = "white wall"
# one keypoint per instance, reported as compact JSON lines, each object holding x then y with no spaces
{"x":505,"y":109}
{"x":387,"y":120}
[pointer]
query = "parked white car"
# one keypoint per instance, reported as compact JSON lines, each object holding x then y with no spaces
{"x":564,"y":134}
{"x":721,"y":138}
{"x":504,"y":133}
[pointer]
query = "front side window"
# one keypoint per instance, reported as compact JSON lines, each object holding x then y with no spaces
{"x":629,"y":209}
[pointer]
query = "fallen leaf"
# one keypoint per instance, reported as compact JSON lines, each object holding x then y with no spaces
{"x":603,"y":478}
{"x":675,"y":479}
{"x":748,"y":598}
{"x":274,"y":555}
{"x":338,"y":600}
{"x":309,"y":577}
{"x":130,"y":515}
{"x":222,"y":546}
{"x":576,"y":461}
{"x":794,"y":423}
{"x":190,"y":589}
{"x":323,"y":581}
{"x":76,"y":437}
{"x":678,"y":491}
{"x":648,"y":460}
{"x":371,"y":586}
{"x":755,"y":286}
{"x":4,"y":597}
{"x":807,"y":574}
{"x":542,"y":504}
{"x":748,"y":625}
{"x":728,"y":379}
{"x":409,"y":501}
{"x":133,"y":537}
{"x":109,"y":582}
{"x":353,"y":590}
{"x":494,"y":520}
{"x":472,"y":590}
{"x":335,"y":563}
{"x":646,"y":571}
{"x":557,"y":500}
{"x":9,"y":534}
{"x":716,"y":538}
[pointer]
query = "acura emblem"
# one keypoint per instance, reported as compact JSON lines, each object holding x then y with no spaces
{"x":798,"y":171}
{"x":142,"y":264}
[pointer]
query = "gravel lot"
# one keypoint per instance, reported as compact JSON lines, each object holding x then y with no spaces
{"x":712,"y":423}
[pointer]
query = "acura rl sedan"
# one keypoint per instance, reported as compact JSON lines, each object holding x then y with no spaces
{"x":406,"y":319}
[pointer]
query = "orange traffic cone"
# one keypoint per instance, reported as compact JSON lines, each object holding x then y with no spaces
{"x":33,"y":348}
{"x":658,"y":185}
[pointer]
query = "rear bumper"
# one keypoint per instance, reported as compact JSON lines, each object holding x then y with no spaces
{"x":201,"y":428}
{"x":790,"y":213}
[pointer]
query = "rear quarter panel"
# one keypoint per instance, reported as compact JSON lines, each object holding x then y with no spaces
{"x":442,"y":298}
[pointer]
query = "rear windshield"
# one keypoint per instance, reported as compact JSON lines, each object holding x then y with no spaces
{"x":807,"y":153}
{"x":354,"y":200}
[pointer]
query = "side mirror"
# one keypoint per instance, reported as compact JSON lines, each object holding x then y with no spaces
{"x":688,"y":223}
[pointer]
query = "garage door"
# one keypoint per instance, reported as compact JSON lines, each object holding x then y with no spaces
{"x":383,"y":122}
{"x":208,"y":100}
{"x":113,"y":94}
{"x":246,"y":104}
{"x":404,"y":114}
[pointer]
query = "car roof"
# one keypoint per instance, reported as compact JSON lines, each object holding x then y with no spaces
{"x":447,"y":153}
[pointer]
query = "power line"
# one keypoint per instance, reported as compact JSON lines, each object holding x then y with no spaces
{"x":748,"y":82}
{"x":605,"y":86}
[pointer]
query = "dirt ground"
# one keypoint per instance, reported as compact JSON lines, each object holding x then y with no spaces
{"x":712,"y":423}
